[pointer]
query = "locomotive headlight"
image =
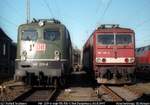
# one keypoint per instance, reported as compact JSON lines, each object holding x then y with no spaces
{"x":126,"y":60}
{"x":57,"y":55}
{"x":132,"y":60}
{"x":41,"y":23}
{"x":24,"y":55}
{"x":98,"y":60}
{"x":103,"y":60}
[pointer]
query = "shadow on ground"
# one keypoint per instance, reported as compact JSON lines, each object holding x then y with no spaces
{"x":81,"y":79}
{"x":143,"y":98}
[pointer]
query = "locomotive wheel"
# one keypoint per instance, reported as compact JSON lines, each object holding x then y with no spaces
{"x":62,"y":82}
{"x":134,"y":79}
{"x":109,"y":75}
{"x":56,"y":82}
{"x":18,"y":78}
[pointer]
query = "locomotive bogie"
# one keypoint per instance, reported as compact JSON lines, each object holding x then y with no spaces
{"x":114,"y":72}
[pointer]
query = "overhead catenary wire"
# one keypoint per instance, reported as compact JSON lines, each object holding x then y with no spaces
{"x":49,"y":9}
{"x":103,"y":14}
{"x":8,"y":4}
{"x":96,"y":12}
{"x":105,"y":10}
{"x":5,"y":26}
{"x":138,"y":11}
{"x":8,"y":28}
{"x":142,"y":23}
{"x":98,"y":7}
{"x":8,"y":21}
{"x":58,"y":9}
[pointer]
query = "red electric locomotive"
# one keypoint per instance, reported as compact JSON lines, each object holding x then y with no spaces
{"x":143,"y":59}
{"x":109,"y":54}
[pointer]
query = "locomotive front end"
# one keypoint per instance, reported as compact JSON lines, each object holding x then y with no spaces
{"x":40,"y":56}
{"x":114,"y":55}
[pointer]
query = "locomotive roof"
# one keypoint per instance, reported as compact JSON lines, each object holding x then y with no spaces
{"x":37,"y":24}
{"x":44,"y":21}
{"x":114,"y":28}
{"x":118,"y":29}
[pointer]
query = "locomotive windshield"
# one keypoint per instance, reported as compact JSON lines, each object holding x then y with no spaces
{"x":123,"y":39}
{"x":120,"y":39}
{"x":105,"y":39}
{"x":29,"y":35}
{"x":51,"y":35}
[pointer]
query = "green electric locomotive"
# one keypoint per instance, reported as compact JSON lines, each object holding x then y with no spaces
{"x":44,"y":53}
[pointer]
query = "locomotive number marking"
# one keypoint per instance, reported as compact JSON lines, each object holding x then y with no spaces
{"x":103,"y":52}
{"x":40,"y":47}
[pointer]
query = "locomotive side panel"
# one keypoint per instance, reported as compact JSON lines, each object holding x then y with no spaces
{"x":143,"y":59}
{"x":88,"y":54}
{"x":67,"y":52}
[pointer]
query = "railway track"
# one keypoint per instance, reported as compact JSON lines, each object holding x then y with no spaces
{"x":106,"y":94}
{"x":9,"y":93}
{"x":116,"y":93}
{"x":38,"y":94}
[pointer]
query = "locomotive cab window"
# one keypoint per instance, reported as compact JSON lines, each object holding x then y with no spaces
{"x":105,"y":39}
{"x":51,"y":35}
{"x":123,"y":39}
{"x":28,"y":35}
